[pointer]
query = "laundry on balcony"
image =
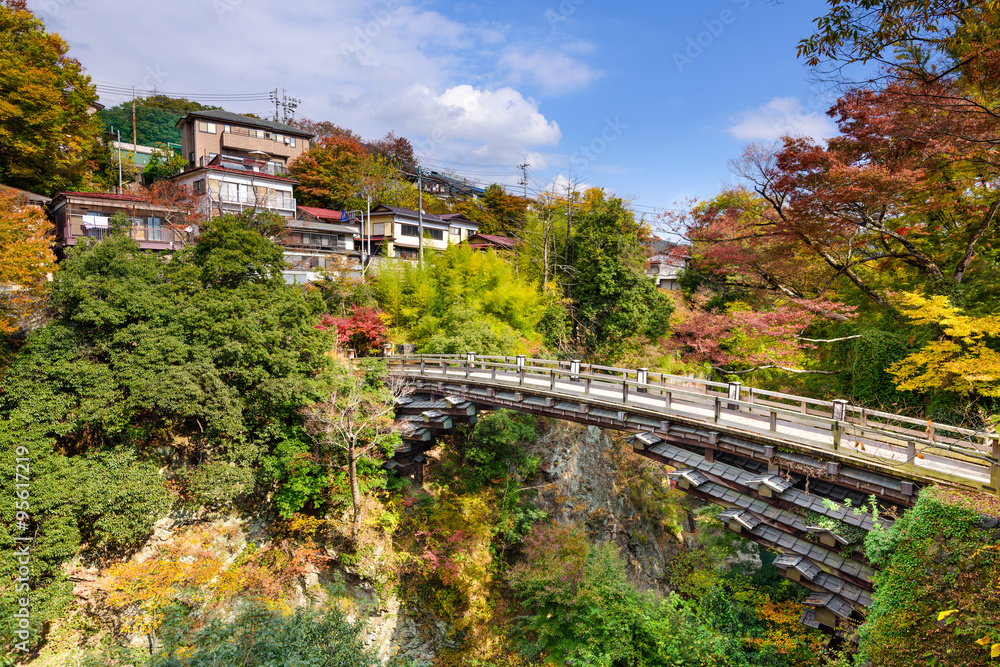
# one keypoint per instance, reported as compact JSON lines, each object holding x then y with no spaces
{"x":96,"y":222}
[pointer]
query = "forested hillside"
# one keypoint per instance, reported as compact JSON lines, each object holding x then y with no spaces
{"x":197,"y":465}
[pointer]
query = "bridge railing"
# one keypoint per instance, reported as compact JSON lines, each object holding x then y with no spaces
{"x":889,"y":439}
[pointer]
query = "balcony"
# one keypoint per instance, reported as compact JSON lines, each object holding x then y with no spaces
{"x":242,"y":139}
{"x":243,"y":199}
{"x":244,"y":164}
{"x":149,"y":238}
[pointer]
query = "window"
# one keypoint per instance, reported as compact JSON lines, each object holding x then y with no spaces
{"x":407,"y":253}
{"x":204,"y":126}
{"x":227,"y":128}
{"x":199,"y":186}
{"x":154,"y":229}
{"x":293,"y":141}
{"x":435,"y":234}
{"x":410,"y":230}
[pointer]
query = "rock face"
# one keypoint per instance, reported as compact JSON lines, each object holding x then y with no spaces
{"x":589,"y":476}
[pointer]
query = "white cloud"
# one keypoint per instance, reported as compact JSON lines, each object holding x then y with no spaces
{"x":553,"y":71}
{"x":372,"y":66}
{"x":779,"y":117}
{"x":497,"y":124}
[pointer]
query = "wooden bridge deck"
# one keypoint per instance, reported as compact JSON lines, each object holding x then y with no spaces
{"x":894,"y":445}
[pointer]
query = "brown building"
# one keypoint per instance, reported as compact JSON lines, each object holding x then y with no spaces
{"x":499,"y":243}
{"x":206,"y":134}
{"x":87,"y":215}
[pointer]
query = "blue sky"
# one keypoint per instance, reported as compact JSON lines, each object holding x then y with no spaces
{"x":649,"y":100}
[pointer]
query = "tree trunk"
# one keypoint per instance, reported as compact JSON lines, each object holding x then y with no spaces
{"x":352,"y":471}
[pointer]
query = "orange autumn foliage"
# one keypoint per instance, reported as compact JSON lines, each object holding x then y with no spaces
{"x":26,"y":259}
{"x":198,"y":567}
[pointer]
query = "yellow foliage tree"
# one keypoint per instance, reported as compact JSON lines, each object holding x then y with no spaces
{"x":960,"y":360}
{"x":25,"y":260}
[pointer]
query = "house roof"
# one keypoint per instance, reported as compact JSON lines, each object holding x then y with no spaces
{"x":322,"y":213}
{"x":503,"y":241}
{"x":319,"y":226}
{"x":104,"y":195}
{"x":243,"y":172}
{"x":452,"y":183}
{"x":235,"y":118}
{"x":30,"y":196}
{"x":429,"y":218}
{"x":444,"y":218}
{"x":63,"y":198}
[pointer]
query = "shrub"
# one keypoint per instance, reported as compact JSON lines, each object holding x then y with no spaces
{"x":263,"y":637}
{"x":581,"y":609}
{"x":935,"y":558}
{"x":122,"y":499}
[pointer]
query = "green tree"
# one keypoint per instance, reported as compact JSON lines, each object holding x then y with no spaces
{"x":47,"y":133}
{"x":210,"y":347}
{"x":163,"y":164}
{"x":462,"y":298}
{"x":616,"y":304}
{"x":355,"y":424}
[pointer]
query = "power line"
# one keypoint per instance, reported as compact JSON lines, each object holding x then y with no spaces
{"x":113,"y":88}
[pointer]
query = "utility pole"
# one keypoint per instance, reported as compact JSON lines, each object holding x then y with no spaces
{"x":524,"y":176}
{"x":277,"y":102}
{"x":524,"y":181}
{"x":366,"y":250}
{"x":119,"y":161}
{"x":133,"y":123}
{"x":420,"y":215}
{"x":289,"y":105}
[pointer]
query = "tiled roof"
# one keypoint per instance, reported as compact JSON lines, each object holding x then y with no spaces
{"x":242,"y":172}
{"x":496,"y":240}
{"x":410,"y":213}
{"x":323,"y":213}
{"x":235,"y":118}
{"x":30,"y":196}
{"x":105,"y":195}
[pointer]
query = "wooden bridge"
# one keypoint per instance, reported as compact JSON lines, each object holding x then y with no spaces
{"x":776,"y":462}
